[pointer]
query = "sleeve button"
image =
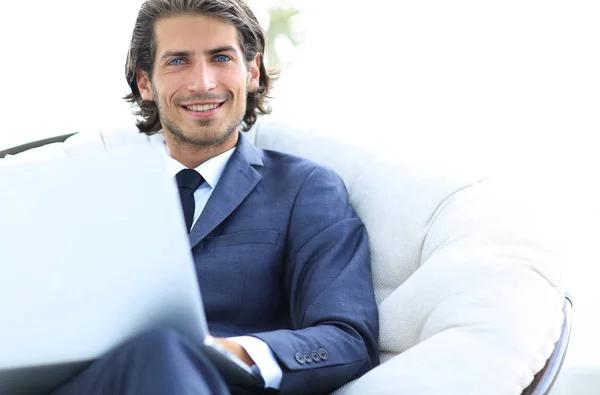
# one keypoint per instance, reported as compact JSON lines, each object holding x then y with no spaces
{"x":307,"y":357}
{"x":315,"y":356}
{"x":323,"y":354}
{"x":299,"y":358}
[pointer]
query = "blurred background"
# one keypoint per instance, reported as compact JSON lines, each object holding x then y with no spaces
{"x":510,"y":87}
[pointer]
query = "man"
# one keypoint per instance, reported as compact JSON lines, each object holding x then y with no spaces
{"x":282,"y":259}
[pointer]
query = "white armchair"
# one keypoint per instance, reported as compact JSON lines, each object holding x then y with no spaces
{"x":470,"y":292}
{"x":469,"y":287}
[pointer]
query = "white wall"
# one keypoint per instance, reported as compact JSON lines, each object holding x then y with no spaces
{"x":62,"y":66}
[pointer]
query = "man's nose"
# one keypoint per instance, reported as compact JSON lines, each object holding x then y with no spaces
{"x":202,"y":79}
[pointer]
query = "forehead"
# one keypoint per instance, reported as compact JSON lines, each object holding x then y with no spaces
{"x":196,"y":33}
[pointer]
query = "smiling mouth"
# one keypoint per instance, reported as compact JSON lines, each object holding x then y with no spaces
{"x":203,"y":107}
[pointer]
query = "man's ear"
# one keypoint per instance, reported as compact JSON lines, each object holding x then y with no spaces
{"x":144,"y":85}
{"x":254,"y":74}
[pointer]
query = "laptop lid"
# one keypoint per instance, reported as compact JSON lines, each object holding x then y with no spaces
{"x":93,"y":250}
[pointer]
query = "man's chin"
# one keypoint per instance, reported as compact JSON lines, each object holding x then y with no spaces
{"x":202,"y":138}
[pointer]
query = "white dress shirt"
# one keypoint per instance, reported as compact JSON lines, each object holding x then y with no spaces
{"x":211,"y":171}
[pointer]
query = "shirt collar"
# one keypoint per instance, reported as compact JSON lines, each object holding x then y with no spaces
{"x":211,"y":170}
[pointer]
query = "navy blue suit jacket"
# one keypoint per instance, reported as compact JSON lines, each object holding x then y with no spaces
{"x":281,"y":255}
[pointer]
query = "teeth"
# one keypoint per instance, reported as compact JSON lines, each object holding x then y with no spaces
{"x":202,"y":108}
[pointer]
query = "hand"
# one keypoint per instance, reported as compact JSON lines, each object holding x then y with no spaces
{"x":236,"y":350}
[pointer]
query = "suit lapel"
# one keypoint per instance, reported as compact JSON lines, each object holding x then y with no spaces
{"x":238,"y":180}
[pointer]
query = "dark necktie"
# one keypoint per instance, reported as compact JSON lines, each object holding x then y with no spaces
{"x":188,"y":181}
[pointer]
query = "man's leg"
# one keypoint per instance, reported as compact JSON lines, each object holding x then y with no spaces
{"x":158,"y":362}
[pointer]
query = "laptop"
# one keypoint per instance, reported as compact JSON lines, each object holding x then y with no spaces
{"x":93,"y":251}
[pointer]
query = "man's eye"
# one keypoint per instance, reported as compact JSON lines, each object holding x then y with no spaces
{"x":222,"y":58}
{"x":176,"y":62}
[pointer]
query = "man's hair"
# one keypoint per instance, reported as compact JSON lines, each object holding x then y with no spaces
{"x":142,"y":52}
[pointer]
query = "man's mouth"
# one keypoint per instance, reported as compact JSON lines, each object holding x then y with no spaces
{"x":203,"y":107}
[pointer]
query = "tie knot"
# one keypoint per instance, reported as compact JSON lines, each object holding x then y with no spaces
{"x":190,"y":179}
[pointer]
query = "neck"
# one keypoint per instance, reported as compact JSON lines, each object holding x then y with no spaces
{"x":192,"y":155}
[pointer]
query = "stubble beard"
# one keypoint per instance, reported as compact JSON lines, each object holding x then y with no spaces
{"x":215,"y":139}
{"x":212,"y":139}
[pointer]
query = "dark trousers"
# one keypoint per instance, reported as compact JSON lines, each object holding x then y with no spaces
{"x":158,"y":362}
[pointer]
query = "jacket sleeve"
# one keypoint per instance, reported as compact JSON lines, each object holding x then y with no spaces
{"x":334,"y":335}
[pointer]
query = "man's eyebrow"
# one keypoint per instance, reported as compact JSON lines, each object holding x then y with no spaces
{"x":176,"y":54}
{"x":224,"y":48}
{"x":185,"y":54}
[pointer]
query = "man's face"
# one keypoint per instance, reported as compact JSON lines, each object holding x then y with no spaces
{"x":200,"y":79}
